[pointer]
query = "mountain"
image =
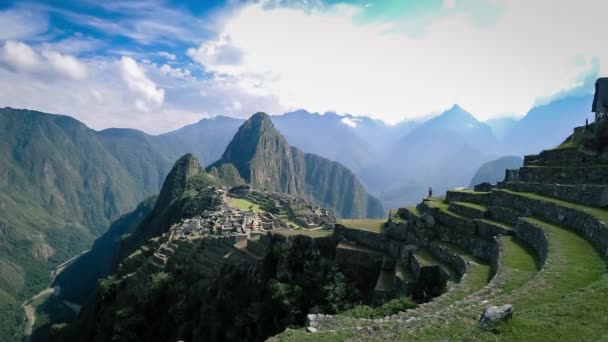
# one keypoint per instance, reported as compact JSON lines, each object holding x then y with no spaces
{"x":501,"y":127}
{"x":494,"y":171}
{"x":206,"y":139}
{"x":61,"y":184}
{"x":544,"y":126}
{"x":326,"y":135}
{"x":441,"y":153}
{"x":264,"y":159}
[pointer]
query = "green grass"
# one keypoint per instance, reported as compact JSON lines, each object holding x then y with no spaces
{"x":519,"y":260}
{"x":567,"y":145}
{"x":471,"y":205}
{"x":243,"y":204}
{"x":497,"y":223}
{"x":469,"y":191}
{"x":305,"y":232}
{"x":426,"y":258}
{"x":566,"y":301}
{"x":370,"y":225}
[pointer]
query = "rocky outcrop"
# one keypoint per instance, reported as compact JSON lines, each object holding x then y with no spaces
{"x":493,"y":314}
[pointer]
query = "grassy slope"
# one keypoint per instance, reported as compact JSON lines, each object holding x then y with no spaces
{"x":371,"y":225}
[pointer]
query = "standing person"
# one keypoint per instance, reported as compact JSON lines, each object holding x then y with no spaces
{"x":430,"y":192}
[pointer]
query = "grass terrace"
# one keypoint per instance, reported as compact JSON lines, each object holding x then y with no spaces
{"x":599,"y":213}
{"x":244,"y":205}
{"x":305,"y":232}
{"x":370,"y":225}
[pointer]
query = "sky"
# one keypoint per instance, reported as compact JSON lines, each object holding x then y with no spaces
{"x":157,"y":65}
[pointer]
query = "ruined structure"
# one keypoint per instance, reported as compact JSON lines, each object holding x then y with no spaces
{"x":600,"y":99}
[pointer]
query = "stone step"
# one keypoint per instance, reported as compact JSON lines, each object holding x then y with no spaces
{"x":470,"y":210}
{"x":256,"y":247}
{"x":488,"y":228}
{"x":200,"y":258}
{"x":560,"y":158}
{"x":469,"y":196}
{"x":204,"y":270}
{"x":426,"y":267}
{"x":409,"y":213}
{"x":597,"y":174}
{"x":587,"y":194}
{"x":456,"y":222}
{"x":590,"y":222}
{"x":214,"y":252}
{"x":452,"y":256}
{"x":505,"y":214}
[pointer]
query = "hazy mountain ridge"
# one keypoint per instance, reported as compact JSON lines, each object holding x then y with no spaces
{"x":494,"y":171}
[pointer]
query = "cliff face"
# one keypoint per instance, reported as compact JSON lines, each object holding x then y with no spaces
{"x":265,"y":160}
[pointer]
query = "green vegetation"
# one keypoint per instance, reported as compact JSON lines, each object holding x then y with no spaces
{"x":312,"y":233}
{"x":244,"y":205}
{"x":472,"y":205}
{"x":161,"y":306}
{"x":389,"y":308}
{"x":566,"y":301}
{"x":370,"y":225}
{"x":519,"y":261}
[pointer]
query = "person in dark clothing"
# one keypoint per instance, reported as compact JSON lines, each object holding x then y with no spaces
{"x":430,"y":192}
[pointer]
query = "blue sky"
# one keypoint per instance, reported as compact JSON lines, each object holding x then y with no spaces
{"x":157,"y":65}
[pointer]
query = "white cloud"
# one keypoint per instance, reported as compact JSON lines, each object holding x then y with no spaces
{"x":166,"y":69}
{"x":349,"y":121}
{"x":149,"y":94}
{"x":66,"y":64}
{"x":218,"y":56}
{"x":330,"y":60}
{"x":166,"y":55}
{"x":18,"y":24}
{"x":20,"y":57}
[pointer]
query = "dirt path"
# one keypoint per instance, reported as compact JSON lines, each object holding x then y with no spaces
{"x":29,"y":307}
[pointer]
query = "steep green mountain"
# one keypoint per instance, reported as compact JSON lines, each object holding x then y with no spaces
{"x":61,"y":184}
{"x":184,"y":194}
{"x":494,"y":171}
{"x":265,"y":160}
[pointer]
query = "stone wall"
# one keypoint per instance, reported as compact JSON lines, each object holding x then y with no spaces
{"x":362,"y":237}
{"x":534,"y":236}
{"x":456,"y":223}
{"x":587,"y":194}
{"x":471,"y":197}
{"x":560,"y":158}
{"x":560,"y":175}
{"x":455,"y":261}
{"x":592,"y":228}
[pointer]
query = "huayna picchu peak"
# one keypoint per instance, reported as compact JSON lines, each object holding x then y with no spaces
{"x":265,"y":160}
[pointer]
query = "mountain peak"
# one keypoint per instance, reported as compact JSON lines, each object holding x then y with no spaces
{"x":256,"y":137}
{"x":456,"y":107}
{"x":176,"y":182}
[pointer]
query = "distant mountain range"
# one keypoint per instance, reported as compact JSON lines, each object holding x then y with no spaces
{"x":62,"y":184}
